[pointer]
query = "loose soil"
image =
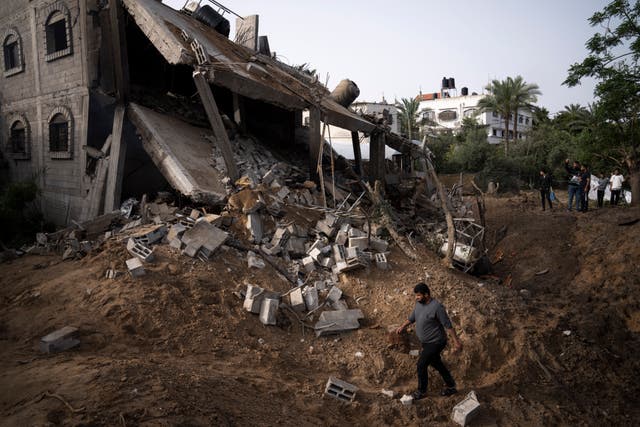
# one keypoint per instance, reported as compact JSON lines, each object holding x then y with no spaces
{"x":551,"y":338}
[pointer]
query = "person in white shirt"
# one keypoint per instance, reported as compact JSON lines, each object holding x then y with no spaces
{"x":616,"y":186}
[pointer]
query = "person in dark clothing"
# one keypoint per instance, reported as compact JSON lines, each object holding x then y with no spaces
{"x":602,"y":186}
{"x":545,"y":188}
{"x":574,"y":184}
{"x":431,"y":321}
{"x":585,"y":186}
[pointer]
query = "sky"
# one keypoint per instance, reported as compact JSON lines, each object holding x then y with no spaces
{"x":398,"y":49}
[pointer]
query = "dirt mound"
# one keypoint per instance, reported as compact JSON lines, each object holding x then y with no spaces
{"x":176,"y":348}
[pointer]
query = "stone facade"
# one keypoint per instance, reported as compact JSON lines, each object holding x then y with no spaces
{"x":58,"y":44}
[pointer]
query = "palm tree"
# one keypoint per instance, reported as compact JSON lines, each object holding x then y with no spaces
{"x":408,"y":114}
{"x":524,"y":96}
{"x":574,"y":118}
{"x":500,"y":101}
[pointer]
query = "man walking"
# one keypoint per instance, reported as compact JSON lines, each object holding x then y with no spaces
{"x":585,"y":184}
{"x":545,"y":188}
{"x":574,"y":184}
{"x":431,"y":321}
{"x":602,"y":186}
{"x":616,"y":186}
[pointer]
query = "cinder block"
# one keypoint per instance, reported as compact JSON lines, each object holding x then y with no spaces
{"x":176,"y":243}
{"x":466,"y":410}
{"x":176,"y":231}
{"x":295,"y":245}
{"x":315,"y":253}
{"x":327,"y":262}
{"x":361,"y":243}
{"x":339,"y":253}
{"x":335,"y":293}
{"x":340,"y":390}
{"x":325,"y":228}
{"x":269,"y":249}
{"x":311,"y":300}
{"x":381,"y":261}
{"x":351,"y":252}
{"x":309,"y":264}
{"x":60,"y":340}
{"x":134,"y":265}
{"x":152,"y":236}
{"x":195,"y":214}
{"x":253,"y":298}
{"x":268,"y":311}
{"x":354,"y":232}
{"x":340,"y":315}
{"x":296,"y":300}
{"x":280,"y":237}
{"x":253,"y":261}
{"x":254,"y":225}
{"x":139,"y":250}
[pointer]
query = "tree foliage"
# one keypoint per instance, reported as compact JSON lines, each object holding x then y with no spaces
{"x":408,"y":114}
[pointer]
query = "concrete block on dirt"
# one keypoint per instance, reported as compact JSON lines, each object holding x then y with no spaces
{"x":152,"y":236}
{"x":406,"y":400}
{"x":326,"y":327}
{"x":381,"y":261}
{"x":379,"y":245}
{"x":296,"y":300}
{"x":203,"y":235}
{"x":296,"y":246}
{"x":268,"y":311}
{"x":280,"y":237}
{"x":326,"y":262}
{"x":309,"y":264}
{"x":176,"y":243}
{"x":311,"y":300}
{"x":361,"y":243}
{"x":466,"y":410}
{"x":340,"y":390}
{"x":335,"y":293}
{"x":254,"y":225}
{"x":176,"y":231}
{"x":341,"y":238}
{"x":339,"y":253}
{"x":254,"y":261}
{"x":139,"y":250}
{"x":60,"y":340}
{"x":135,"y":267}
{"x":253,"y":298}
{"x":340,"y":315}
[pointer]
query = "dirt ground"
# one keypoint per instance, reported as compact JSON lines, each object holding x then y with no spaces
{"x":551,"y":338}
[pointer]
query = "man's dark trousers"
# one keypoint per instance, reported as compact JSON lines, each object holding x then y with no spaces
{"x":430,"y":355}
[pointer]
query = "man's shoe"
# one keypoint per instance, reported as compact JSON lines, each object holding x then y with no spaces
{"x":417,"y":395}
{"x":448,"y":391}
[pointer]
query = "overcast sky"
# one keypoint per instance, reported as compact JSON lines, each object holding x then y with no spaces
{"x":399,"y":48}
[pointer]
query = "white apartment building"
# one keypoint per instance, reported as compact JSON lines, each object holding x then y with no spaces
{"x":446,"y":110}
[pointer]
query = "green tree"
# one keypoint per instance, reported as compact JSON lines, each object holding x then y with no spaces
{"x":524,"y":95}
{"x":499,"y":100}
{"x":613,"y":61}
{"x":575,"y":118}
{"x":408,"y":113}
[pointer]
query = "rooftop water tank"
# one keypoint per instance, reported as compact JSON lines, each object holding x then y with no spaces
{"x":213,"y":19}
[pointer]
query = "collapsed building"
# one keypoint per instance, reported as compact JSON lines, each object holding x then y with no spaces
{"x":98,"y":104}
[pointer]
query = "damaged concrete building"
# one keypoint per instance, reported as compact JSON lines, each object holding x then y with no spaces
{"x":101,"y":100}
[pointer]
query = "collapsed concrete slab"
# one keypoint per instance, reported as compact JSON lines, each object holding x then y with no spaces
{"x":203,"y":238}
{"x":181,"y":152}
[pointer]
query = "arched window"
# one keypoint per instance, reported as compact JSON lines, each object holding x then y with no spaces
{"x":57,"y":32}
{"x":19,"y":137}
{"x":60,"y":134}
{"x":12,"y":53}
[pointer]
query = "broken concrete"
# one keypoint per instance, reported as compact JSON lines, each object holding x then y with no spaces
{"x":253,"y":299}
{"x":203,"y":237}
{"x":135,"y":267}
{"x":139,"y":250}
{"x":310,"y":294}
{"x":466,"y":410}
{"x":268,"y":311}
{"x":60,"y":340}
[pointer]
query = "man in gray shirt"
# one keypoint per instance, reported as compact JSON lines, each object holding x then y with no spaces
{"x":431,"y":321}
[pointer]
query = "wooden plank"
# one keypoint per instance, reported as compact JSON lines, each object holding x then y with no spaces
{"x":337,"y":115}
{"x":315,"y":139}
{"x":119,"y":46}
{"x":216,"y":122}
{"x":357,"y":153}
{"x":116,"y":162}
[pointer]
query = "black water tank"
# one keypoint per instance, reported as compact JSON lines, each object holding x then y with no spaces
{"x":452,"y":83}
{"x":445,"y":83}
{"x":213,"y":19}
{"x":465,"y":91}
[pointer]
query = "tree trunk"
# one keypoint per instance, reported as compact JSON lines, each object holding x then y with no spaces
{"x":634,"y":177}
{"x":515,"y":125}
{"x":506,"y":136}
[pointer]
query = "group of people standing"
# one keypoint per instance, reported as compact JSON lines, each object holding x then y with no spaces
{"x":579,"y":185}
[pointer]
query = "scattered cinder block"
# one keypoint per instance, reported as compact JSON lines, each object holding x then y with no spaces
{"x":60,"y":340}
{"x":152,"y":236}
{"x":192,"y":249}
{"x":253,"y":298}
{"x":269,"y":249}
{"x":283,"y":192}
{"x":335,"y":293}
{"x":68,"y":254}
{"x":296,"y":300}
{"x":139,"y":250}
{"x":254,"y":261}
{"x":381,"y":261}
{"x":311,"y":300}
{"x":466,"y":410}
{"x":323,"y":227}
{"x":354,"y":232}
{"x":406,"y":400}
{"x":327,"y":262}
{"x":340,"y":390}
{"x":135,"y":267}
{"x":339,"y":315}
{"x":111,"y":273}
{"x":296,"y":246}
{"x":268,"y":311}
{"x":175,"y":243}
{"x":351,"y":252}
{"x":339,"y":253}
{"x":339,"y":305}
{"x":341,"y":238}
{"x":254,"y":225}
{"x":388,"y":393}
{"x":361,"y":243}
{"x":195,"y":214}
{"x":203,"y":236}
{"x":315,"y":253}
{"x":280,"y":237}
{"x":309,"y":264}
{"x":176,"y":231}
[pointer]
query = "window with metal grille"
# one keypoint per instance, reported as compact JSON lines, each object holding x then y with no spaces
{"x":18,"y":138}
{"x":59,"y":134}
